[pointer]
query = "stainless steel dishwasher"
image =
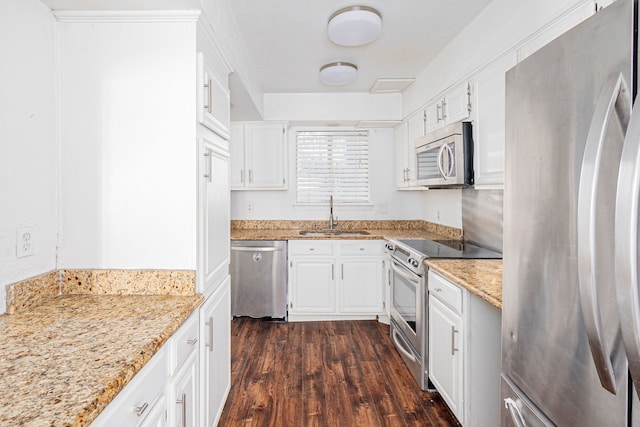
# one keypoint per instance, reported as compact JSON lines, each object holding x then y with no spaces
{"x":259,"y":278}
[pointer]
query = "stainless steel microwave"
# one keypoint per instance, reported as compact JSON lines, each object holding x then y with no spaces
{"x":444,"y":158}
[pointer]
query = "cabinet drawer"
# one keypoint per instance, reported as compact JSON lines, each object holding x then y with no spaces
{"x":138,"y":398}
{"x":310,"y":247}
{"x":184,"y":342}
{"x":361,"y":247}
{"x":445,"y":291}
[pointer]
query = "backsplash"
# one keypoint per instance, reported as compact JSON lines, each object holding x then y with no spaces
{"x":128,"y":282}
{"x":482,"y":217}
{"x":32,"y":292}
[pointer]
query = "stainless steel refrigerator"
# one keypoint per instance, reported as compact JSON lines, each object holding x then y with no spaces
{"x":571,"y":315}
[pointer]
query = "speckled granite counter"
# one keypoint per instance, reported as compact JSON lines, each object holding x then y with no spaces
{"x":482,"y":277}
{"x":294,"y":234}
{"x":383,"y":229}
{"x":64,"y":361}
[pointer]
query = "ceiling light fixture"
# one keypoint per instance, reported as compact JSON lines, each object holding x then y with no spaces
{"x":355,"y":26}
{"x":338,"y":73}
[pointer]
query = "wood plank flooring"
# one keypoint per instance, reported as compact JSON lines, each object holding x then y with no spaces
{"x":323,"y":374}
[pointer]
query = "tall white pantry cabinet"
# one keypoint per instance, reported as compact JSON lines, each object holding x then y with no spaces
{"x":144,"y":112}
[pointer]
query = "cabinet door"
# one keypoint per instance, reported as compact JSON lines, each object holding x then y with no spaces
{"x":265,"y":156}
{"x":445,"y":354}
{"x":184,"y":407}
{"x":214,"y":212}
{"x":215,"y":354}
{"x":312,"y":285}
{"x":416,"y":129}
{"x":236,"y":157}
{"x":489,"y":126}
{"x":402,"y":155}
{"x":457,"y":103}
{"x":434,"y":116}
{"x":361,"y":285}
{"x":213,"y":99}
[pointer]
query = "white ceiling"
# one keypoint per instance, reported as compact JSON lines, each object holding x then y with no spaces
{"x":287,"y":39}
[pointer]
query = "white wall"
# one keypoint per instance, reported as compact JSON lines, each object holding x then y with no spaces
{"x":387,"y":202}
{"x":442,"y":207}
{"x":28,"y":150}
{"x":338,"y":107}
{"x":128,"y":145}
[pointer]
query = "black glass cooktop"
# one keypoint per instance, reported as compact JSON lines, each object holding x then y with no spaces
{"x":450,"y":249}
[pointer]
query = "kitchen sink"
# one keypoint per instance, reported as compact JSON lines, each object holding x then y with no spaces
{"x":333,"y":233}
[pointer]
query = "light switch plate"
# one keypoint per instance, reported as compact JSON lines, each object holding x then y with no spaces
{"x":24,"y":241}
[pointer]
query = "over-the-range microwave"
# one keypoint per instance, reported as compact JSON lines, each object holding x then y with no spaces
{"x":444,"y":158}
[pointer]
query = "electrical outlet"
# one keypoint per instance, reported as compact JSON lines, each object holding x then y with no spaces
{"x":250,"y":207}
{"x":24,"y":241}
{"x":438,"y":214}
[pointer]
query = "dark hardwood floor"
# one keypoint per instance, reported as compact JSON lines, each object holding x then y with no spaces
{"x":323,"y":374}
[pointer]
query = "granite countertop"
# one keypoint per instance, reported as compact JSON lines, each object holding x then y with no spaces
{"x":64,"y":361}
{"x":482,"y":277}
{"x":294,"y":234}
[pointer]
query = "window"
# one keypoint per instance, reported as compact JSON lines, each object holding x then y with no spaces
{"x":332,"y":163}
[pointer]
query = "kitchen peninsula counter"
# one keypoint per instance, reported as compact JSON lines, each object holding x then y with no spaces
{"x":482,"y":277}
{"x":64,"y":361}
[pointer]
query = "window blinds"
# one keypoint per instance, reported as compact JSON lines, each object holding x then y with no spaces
{"x":332,"y":163}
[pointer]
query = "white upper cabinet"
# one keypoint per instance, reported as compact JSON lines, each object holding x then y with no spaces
{"x":455,"y":105}
{"x":489,"y":126}
{"x":214,"y":110}
{"x":401,"y":134}
{"x":405,"y":142}
{"x":258,"y":156}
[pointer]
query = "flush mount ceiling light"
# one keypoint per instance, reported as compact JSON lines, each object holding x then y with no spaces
{"x":338,"y":73}
{"x":355,"y":26}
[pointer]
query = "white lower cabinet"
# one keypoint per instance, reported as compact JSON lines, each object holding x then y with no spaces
{"x":446,"y":353}
{"x":312,"y":286}
{"x":182,"y":393}
{"x":183,"y":404}
{"x":361,"y":285}
{"x":464,"y":352}
{"x":149,"y":398}
{"x":337,"y":279}
{"x":215,"y":354}
{"x":187,"y":381}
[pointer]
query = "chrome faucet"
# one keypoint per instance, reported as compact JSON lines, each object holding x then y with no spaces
{"x":332,"y":221}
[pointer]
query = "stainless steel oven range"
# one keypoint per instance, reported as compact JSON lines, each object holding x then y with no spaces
{"x":409,"y":296}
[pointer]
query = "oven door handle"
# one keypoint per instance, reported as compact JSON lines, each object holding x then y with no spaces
{"x":402,"y":272}
{"x":397,"y":339}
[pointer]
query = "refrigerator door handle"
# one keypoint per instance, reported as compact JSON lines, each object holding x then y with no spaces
{"x":626,"y":245}
{"x":614,"y":95}
{"x":516,"y":415}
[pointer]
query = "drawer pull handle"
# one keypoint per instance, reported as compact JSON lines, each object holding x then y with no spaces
{"x":210,"y":325}
{"x":183,"y":403}
{"x":438,"y":289}
{"x":139,"y":410}
{"x":453,"y":340}
{"x":192,"y":341}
